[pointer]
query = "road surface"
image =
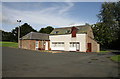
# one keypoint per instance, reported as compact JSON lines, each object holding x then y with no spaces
{"x":28,"y":63}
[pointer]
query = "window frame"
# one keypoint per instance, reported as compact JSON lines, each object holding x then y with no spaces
{"x":58,"y":44}
{"x":37,"y":44}
{"x":56,"y":32}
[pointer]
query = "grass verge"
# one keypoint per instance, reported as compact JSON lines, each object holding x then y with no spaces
{"x":104,"y":51}
{"x":115,"y":58}
{"x":9,"y":44}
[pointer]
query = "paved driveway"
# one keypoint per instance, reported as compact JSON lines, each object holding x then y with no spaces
{"x":27,"y":63}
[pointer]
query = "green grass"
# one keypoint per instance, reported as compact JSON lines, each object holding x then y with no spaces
{"x":104,"y":51}
{"x":108,"y":50}
{"x":115,"y":58}
{"x":9,"y":44}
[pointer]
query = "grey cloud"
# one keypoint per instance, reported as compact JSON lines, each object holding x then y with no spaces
{"x":6,"y":20}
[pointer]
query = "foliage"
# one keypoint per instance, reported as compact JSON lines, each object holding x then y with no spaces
{"x":47,"y":30}
{"x":24,"y":29}
{"x":107,"y":30}
{"x":9,"y":44}
{"x":115,"y":58}
{"x":0,"y":35}
{"x":87,"y":24}
{"x":7,"y":36}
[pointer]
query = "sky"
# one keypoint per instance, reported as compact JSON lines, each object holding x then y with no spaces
{"x":42,"y":14}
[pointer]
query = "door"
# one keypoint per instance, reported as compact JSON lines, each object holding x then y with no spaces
{"x":78,"y":46}
{"x":46,"y":45}
{"x":89,"y":47}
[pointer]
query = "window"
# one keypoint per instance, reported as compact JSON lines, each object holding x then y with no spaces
{"x":67,"y":31}
{"x":58,"y":44}
{"x":54,"y":44}
{"x":77,"y":30}
{"x":73,"y":44}
{"x":37,"y":44}
{"x":56,"y":32}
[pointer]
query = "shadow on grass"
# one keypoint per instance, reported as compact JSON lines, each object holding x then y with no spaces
{"x":117,"y":53}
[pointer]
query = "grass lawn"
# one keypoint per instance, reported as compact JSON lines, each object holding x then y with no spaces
{"x":9,"y":44}
{"x":108,"y":50}
{"x":104,"y":51}
{"x":116,"y":58}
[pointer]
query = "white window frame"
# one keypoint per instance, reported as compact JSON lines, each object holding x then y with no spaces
{"x":58,"y":44}
{"x":73,"y":46}
{"x":37,"y":44}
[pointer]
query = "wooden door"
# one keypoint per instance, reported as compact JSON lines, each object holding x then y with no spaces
{"x":89,"y":47}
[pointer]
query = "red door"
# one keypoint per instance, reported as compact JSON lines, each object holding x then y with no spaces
{"x":89,"y":47}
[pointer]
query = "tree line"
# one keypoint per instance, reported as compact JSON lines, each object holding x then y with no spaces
{"x":106,"y":30}
{"x":24,"y":29}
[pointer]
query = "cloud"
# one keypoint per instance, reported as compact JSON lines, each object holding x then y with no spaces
{"x":54,"y":15}
{"x":0,"y":15}
{"x":67,"y":8}
{"x":7,"y":20}
{"x":0,"y":11}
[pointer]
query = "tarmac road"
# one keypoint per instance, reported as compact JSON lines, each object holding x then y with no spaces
{"x":27,"y":63}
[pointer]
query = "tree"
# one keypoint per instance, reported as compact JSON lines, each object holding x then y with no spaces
{"x":42,"y":30}
{"x":117,"y":13}
{"x":6,"y":36}
{"x":106,"y":24}
{"x":87,"y":24}
{"x":107,"y":31}
{"x":101,"y":35}
{"x":115,"y":44}
{"x":47,"y":30}
{"x":0,"y":35}
{"x":15,"y":34}
{"x":24,"y":29}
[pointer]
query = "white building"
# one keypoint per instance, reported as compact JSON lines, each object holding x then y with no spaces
{"x":79,"y":38}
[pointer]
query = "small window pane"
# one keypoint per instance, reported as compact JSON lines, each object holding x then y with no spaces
{"x":56,"y":32}
{"x":67,"y":31}
{"x":36,"y":43}
{"x":58,"y":44}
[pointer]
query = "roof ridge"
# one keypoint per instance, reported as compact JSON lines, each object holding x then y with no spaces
{"x":72,"y":26}
{"x":36,"y":35}
{"x":82,"y":28}
{"x":40,"y":33}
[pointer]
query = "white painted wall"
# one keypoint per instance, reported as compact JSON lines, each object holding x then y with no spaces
{"x":81,"y":38}
{"x":57,"y":48}
{"x":72,"y":48}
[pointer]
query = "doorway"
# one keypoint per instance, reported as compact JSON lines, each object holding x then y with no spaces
{"x":46,"y":45}
{"x":77,"y":46}
{"x":89,"y":48}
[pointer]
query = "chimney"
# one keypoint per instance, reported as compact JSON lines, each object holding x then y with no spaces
{"x":74,"y":30}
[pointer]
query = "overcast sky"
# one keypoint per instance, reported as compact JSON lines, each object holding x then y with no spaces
{"x":42,"y":14}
